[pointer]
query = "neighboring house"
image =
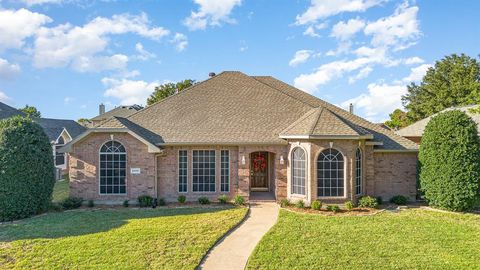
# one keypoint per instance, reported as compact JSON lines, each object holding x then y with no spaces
{"x":414,"y":131}
{"x":7,"y":111}
{"x":239,"y":134}
{"x":120,"y":111}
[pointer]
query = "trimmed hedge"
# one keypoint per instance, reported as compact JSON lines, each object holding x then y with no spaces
{"x":26,"y":169}
{"x":449,"y":161}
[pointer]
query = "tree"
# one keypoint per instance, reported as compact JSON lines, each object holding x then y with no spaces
{"x":398,"y":119}
{"x":31,"y":111}
{"x":449,"y":161}
{"x":453,"y":81}
{"x":167,"y":89}
{"x":27,"y":170}
{"x":84,"y":122}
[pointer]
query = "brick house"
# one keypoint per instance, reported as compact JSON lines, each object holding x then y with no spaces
{"x":239,"y":134}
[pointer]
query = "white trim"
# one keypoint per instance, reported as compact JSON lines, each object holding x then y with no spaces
{"x":215,"y":175}
{"x":373,"y":143}
{"x":361,"y":172}
{"x":292,"y":168}
{"x":61,"y":133}
{"x":228,"y":174}
{"x":100,"y":173}
{"x":344,"y":175}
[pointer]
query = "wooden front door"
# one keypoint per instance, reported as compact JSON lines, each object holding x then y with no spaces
{"x":259,"y":171}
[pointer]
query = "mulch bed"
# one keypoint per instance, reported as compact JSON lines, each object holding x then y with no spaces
{"x":342,"y":212}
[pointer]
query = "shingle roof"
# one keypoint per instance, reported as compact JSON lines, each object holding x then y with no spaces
{"x":54,"y":127}
{"x":235,"y":108}
{"x":120,"y":111}
{"x":7,"y":111}
{"x":120,"y":122}
{"x":416,"y":129}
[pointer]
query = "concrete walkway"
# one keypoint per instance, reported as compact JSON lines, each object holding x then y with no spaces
{"x":232,"y":252}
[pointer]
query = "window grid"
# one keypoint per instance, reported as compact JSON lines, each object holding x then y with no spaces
{"x":203,"y":170}
{"x":225,"y":171}
{"x":330,"y":174}
{"x":358,"y":172}
{"x":298,"y":171}
{"x":182,"y":171}
{"x":113,"y":168}
{"x":59,"y":157}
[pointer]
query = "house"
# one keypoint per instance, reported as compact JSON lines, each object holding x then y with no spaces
{"x":120,"y":111}
{"x":7,"y":111}
{"x":414,"y":131}
{"x":239,"y":134}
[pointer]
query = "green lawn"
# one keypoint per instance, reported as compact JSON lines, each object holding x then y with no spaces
{"x":115,"y":239}
{"x":61,"y":191}
{"x":411,"y":239}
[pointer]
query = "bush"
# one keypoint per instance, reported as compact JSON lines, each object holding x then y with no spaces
{"x":449,"y":161}
{"x":145,"y":201}
{"x":27,"y":171}
{"x":368,"y":202}
{"x":300,"y":204}
{"x":349,"y":205}
{"x":90,"y":203}
{"x":71,"y":203}
{"x":203,"y":200}
{"x":284,"y":203}
{"x":399,"y":200}
{"x":239,"y":200}
{"x":333,"y":208}
{"x":379,"y":200}
{"x":161,"y":202}
{"x":223,"y":199}
{"x":316,"y":205}
{"x":125,"y":203}
{"x":182,"y":199}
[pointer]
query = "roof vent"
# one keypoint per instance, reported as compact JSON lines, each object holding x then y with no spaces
{"x":350,"y":109}
{"x":211,"y":74}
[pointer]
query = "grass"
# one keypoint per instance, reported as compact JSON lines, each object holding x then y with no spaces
{"x":411,"y":239}
{"x":61,"y":191}
{"x":115,"y":239}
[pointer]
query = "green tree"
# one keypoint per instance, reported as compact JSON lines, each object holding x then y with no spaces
{"x":83,"y":121}
{"x":449,"y":161}
{"x":453,"y":81}
{"x":398,"y":119}
{"x":31,"y":111}
{"x":167,"y":89}
{"x":27,"y":170}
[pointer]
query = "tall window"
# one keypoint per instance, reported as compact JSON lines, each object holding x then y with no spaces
{"x":203,"y":170}
{"x":330,"y":174}
{"x":225,"y":171}
{"x":298,"y":171}
{"x":59,"y":157}
{"x":358,"y":172}
{"x":182,"y":171}
{"x":113,"y":168}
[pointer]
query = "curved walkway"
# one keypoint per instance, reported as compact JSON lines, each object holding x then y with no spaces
{"x":233,"y":250}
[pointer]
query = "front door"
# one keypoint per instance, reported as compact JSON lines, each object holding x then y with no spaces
{"x":259,"y":171}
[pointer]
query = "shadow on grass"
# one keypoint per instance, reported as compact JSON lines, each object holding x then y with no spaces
{"x":82,"y":222}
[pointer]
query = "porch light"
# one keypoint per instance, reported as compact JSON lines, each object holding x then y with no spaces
{"x":243,"y":160}
{"x":281,"y":160}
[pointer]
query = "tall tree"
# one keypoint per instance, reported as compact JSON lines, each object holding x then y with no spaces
{"x":167,"y":89}
{"x":453,"y":81}
{"x":31,"y":111}
{"x":398,"y":119}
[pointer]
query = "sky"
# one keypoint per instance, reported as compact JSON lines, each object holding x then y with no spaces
{"x":67,"y":56}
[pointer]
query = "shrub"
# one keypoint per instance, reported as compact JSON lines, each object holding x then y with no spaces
{"x":367,"y":202}
{"x":161,"y":202}
{"x":239,"y":200}
{"x":27,"y":171}
{"x":349,"y":205}
{"x":203,"y":200}
{"x":316,"y":205}
{"x":71,"y":203}
{"x":379,"y":200}
{"x":399,"y":200}
{"x":223,"y":199}
{"x":284,"y":203}
{"x":300,"y":204}
{"x":125,"y":203}
{"x":55,"y":207}
{"x":449,"y":161}
{"x":145,"y":201}
{"x":333,"y":208}
{"x":90,"y":203}
{"x":182,"y":199}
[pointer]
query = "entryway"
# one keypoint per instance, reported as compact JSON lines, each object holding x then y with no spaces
{"x":260,"y":171}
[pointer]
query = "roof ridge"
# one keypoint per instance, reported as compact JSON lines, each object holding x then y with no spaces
{"x":278,"y":90}
{"x":312,"y":128}
{"x":303,"y":117}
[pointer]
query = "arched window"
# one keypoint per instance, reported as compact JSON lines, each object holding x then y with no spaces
{"x":298,"y":171}
{"x":330,"y":174}
{"x":358,"y":172}
{"x":59,"y":157}
{"x":113,"y":168}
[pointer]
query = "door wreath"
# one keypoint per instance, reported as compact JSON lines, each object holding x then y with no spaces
{"x":259,"y":163}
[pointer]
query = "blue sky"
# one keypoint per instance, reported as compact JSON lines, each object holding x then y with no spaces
{"x":67,"y":56}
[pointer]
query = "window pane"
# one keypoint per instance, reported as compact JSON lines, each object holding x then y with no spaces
{"x":204,"y":176}
{"x":182,"y":171}
{"x":330,"y":174}
{"x":113,"y":164}
{"x":225,"y":171}
{"x":298,"y":171}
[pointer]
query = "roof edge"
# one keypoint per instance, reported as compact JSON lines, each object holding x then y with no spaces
{"x":338,"y":137}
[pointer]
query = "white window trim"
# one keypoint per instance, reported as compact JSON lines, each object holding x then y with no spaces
{"x":361,"y":172}
{"x":215,"y":186}
{"x":228,"y":169}
{"x":126,"y":170}
{"x":344,"y":176}
{"x":291,"y":172}
{"x":178,"y":170}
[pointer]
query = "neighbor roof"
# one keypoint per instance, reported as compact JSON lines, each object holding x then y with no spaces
{"x":7,"y":111}
{"x":234,"y":108}
{"x":54,"y":127}
{"x":416,"y":129}
{"x":120,"y":111}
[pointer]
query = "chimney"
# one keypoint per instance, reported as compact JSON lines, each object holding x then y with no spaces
{"x":101,"y":109}
{"x":350,"y":109}
{"x":211,"y":74}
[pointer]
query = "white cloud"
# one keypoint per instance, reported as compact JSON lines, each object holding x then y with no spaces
{"x":143,"y":55}
{"x":346,"y":30}
{"x":363,"y":73}
{"x":343,"y":47}
{"x":414,"y":60}
{"x":8,"y":70}
{"x":300,"y":57}
{"x":321,"y":9}
{"x":17,"y":25}
{"x":40,"y":2}
{"x":3,"y":97}
{"x":67,"y":100}
{"x":211,"y":13}
{"x":129,"y":91}
{"x":100,"y":63}
{"x":180,"y":41}
{"x":417,"y":73}
{"x":312,"y":29}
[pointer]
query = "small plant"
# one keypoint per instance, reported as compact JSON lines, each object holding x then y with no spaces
{"x":90,"y":203}
{"x":349,"y":205}
{"x":55,"y":207}
{"x":316,"y":205}
{"x":203,"y":200}
{"x":333,"y":208}
{"x":161,"y":202}
{"x":71,"y":203}
{"x":284,"y":203}
{"x":399,"y":200}
{"x":145,"y":201}
{"x":125,"y":203}
{"x":182,"y":199}
{"x":368,"y":202}
{"x":379,"y":200}
{"x":239,"y":200}
{"x":223,"y":199}
{"x":300,"y":204}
